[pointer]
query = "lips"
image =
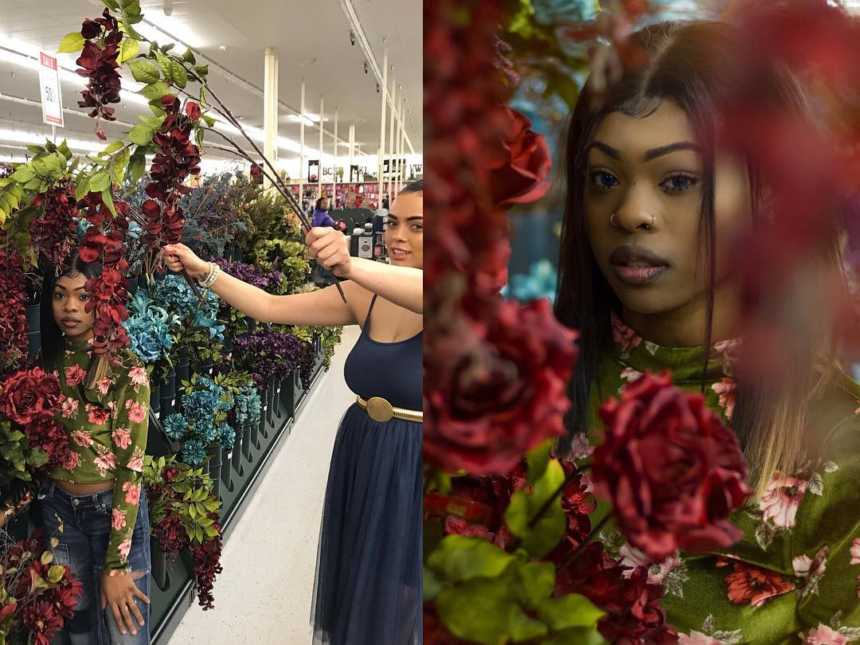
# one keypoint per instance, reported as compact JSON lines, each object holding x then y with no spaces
{"x":637,"y":266}
{"x":70,"y":322}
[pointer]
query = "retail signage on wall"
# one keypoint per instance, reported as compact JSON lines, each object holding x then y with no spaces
{"x":49,"y":86}
{"x":313,"y":170}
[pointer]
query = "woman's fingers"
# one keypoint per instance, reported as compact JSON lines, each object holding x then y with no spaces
{"x":136,"y":611}
{"x":118,"y":617}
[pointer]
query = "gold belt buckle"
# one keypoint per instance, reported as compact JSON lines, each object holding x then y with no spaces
{"x":379,"y":409}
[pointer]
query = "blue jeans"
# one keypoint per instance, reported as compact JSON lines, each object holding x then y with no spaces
{"x":86,"y":526}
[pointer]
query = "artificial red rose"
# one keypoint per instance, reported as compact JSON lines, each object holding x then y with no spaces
{"x":520,"y":164}
{"x":192,"y":110}
{"x":256,"y":173}
{"x":673,"y":471}
{"x":503,"y":396}
{"x":29,"y":395}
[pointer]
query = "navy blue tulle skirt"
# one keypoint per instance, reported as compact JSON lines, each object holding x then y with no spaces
{"x":368,"y":580}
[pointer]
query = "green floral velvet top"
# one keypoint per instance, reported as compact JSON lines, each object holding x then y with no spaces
{"x":108,"y":430}
{"x":795,"y":575}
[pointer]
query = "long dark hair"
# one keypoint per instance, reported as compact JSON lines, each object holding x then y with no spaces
{"x":319,"y":201}
{"x":688,"y":63}
{"x":53,"y":344}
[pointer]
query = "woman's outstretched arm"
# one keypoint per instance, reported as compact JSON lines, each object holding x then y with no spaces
{"x":323,"y":307}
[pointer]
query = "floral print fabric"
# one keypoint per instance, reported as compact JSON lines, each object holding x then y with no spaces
{"x":795,"y":575}
{"x":108,"y":429}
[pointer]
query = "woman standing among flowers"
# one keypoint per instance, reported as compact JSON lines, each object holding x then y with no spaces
{"x":647,"y":278}
{"x":368,"y":587}
{"x":93,"y":503}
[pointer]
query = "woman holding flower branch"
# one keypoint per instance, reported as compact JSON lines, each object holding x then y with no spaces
{"x":368,"y":588}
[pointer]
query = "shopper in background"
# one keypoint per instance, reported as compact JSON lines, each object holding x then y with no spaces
{"x":320,"y":215}
{"x":368,"y":583}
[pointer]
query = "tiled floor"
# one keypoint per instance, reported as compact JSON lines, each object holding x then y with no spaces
{"x":263,"y":597}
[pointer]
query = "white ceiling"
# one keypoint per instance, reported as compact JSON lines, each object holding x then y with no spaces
{"x":312,"y":40}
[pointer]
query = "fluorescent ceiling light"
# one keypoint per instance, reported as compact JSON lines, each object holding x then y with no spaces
{"x":310,"y":118}
{"x":157,"y":27}
{"x":22,"y":136}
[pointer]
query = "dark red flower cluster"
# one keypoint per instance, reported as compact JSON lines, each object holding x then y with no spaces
{"x":171,"y":533}
{"x":29,"y":396}
{"x":104,"y":242}
{"x":256,"y":174}
{"x":13,"y":312}
{"x":672,"y":470}
{"x":53,"y":231}
{"x":177,"y":158}
{"x":634,"y":615}
{"x":42,"y":620}
{"x":495,"y":373}
{"x":207,"y":565}
{"x":42,"y":610}
{"x":520,"y":162}
{"x":503,"y":393}
{"x":98,"y":64}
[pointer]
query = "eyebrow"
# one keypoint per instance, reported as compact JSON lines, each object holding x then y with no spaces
{"x":651,"y":154}
{"x":59,"y":286}
{"x":408,"y":219}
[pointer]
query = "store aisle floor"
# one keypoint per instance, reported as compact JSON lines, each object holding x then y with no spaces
{"x":263,"y":596}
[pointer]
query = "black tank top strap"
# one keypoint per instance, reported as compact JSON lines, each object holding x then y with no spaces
{"x":366,"y":328}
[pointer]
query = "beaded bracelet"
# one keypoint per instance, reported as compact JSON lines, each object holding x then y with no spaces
{"x":212,"y":276}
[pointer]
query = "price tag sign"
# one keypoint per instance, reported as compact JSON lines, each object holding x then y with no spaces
{"x":49,"y":86}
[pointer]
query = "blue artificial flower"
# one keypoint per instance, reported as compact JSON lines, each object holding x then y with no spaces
{"x":200,"y":407}
{"x":194,"y":452}
{"x":227,"y":436}
{"x":554,"y":11}
{"x":248,"y":407}
{"x":148,"y":327}
{"x":175,"y":426}
{"x":540,"y":282}
{"x":174,"y":294}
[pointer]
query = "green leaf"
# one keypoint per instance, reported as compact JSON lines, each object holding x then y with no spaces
{"x":83,"y":188}
{"x":432,"y":585}
{"x":141,"y":134}
{"x":476,"y":611}
{"x":537,"y":580}
{"x":188,"y":57}
{"x":112,"y":147}
{"x":202,"y":70}
{"x":577,"y":636}
{"x":144,"y":71}
{"x":155,"y":90}
{"x":64,"y":150}
{"x":107,"y":198}
{"x":34,"y":184}
{"x":71,"y":43}
{"x":178,"y":74}
{"x":99,"y":182}
{"x":111,"y":4}
{"x":537,"y":460}
{"x":549,"y":529}
{"x":120,"y":165}
{"x":168,"y":47}
{"x":572,"y":610}
{"x":154,"y":122}
{"x":23,"y":174}
{"x":56,"y":573}
{"x":523,"y":628}
{"x":128,"y":49}
{"x":47,"y":558}
{"x":462,"y":558}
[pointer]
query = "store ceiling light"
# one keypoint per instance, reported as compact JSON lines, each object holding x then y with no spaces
{"x":170,"y":29}
{"x":35,"y":138}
